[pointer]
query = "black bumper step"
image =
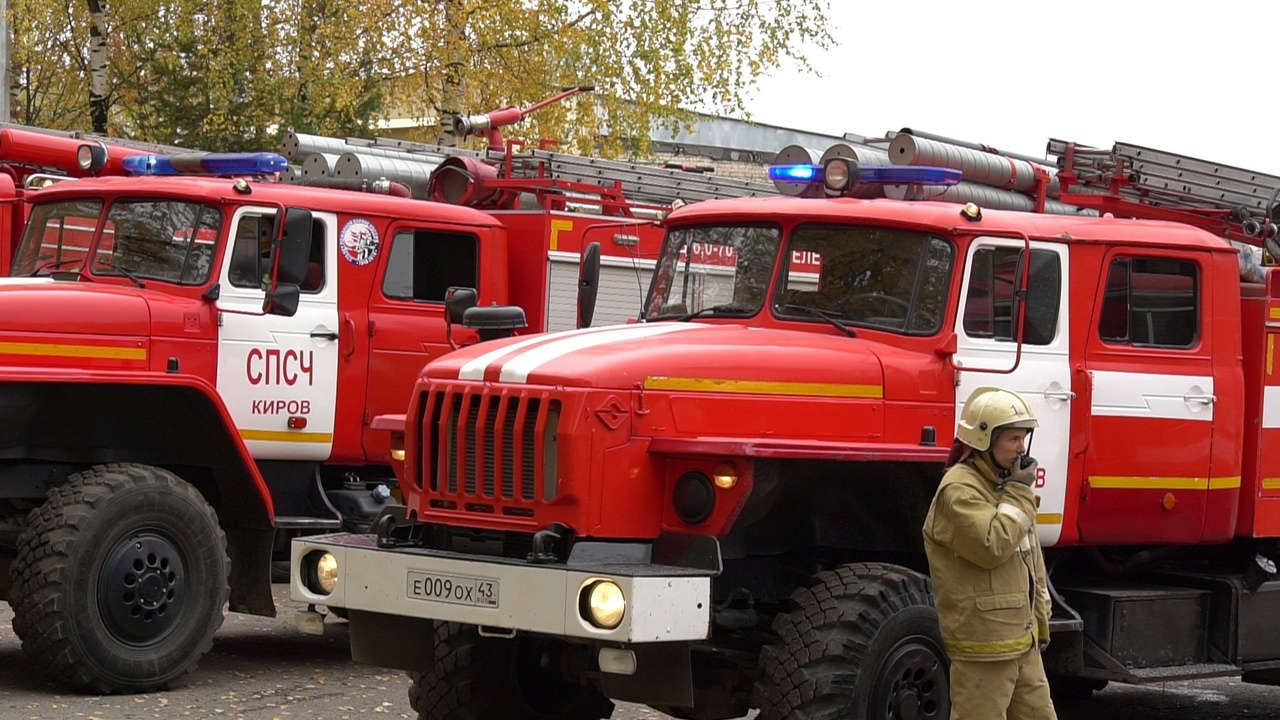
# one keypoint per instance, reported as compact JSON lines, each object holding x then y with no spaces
{"x":302,"y":522}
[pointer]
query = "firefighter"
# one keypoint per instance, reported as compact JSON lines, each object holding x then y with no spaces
{"x":987,"y":568}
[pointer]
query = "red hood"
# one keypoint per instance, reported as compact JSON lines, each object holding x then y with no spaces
{"x":621,"y":356}
{"x":73,"y":308}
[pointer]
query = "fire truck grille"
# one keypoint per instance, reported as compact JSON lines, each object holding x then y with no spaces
{"x":490,"y":449}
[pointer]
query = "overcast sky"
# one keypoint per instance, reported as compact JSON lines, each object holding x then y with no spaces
{"x":1186,"y":76}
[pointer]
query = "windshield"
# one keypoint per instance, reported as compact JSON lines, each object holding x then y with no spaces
{"x":883,"y":278}
{"x":166,"y":240}
{"x":57,"y":237}
{"x":720,"y":269}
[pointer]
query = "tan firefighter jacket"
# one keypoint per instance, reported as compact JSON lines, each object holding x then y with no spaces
{"x":987,"y":568}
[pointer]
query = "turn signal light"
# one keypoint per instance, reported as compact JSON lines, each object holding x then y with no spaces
{"x":725,"y":476}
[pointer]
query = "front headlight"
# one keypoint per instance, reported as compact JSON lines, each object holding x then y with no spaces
{"x":397,"y":447}
{"x":321,"y":572}
{"x":602,"y":604}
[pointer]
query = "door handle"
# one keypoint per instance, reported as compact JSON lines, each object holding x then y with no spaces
{"x":351,"y":333}
{"x":1201,"y":399}
{"x":324,"y":335}
{"x":1064,"y":395}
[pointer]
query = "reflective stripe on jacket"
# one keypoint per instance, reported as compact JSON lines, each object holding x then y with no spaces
{"x":985,"y":561}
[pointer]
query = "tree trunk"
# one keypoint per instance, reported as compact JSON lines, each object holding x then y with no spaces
{"x":97,"y":67}
{"x":451,"y":93}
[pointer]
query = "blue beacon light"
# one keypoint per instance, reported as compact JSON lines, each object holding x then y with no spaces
{"x":262,"y":163}
{"x":909,"y":175}
{"x":842,"y":179}
{"x":802,"y":173}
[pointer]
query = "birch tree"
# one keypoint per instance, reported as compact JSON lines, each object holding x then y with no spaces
{"x":99,"y":103}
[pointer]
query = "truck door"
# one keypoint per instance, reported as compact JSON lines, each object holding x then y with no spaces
{"x":985,"y":340}
{"x":406,"y":312}
{"x":1150,"y":431}
{"x":278,"y":375}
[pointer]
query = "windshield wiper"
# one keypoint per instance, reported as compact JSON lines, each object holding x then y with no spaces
{"x":136,"y":280}
{"x":833,"y":318}
{"x":727,"y":309}
{"x":53,"y":264}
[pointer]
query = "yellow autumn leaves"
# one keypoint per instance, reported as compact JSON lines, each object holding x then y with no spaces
{"x":234,"y":74}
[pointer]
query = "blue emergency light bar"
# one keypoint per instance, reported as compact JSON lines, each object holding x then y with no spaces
{"x":261,"y":163}
{"x":883,"y":174}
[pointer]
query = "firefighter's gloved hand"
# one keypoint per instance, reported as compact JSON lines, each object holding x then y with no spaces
{"x":1024,"y":470}
{"x":1043,"y":645}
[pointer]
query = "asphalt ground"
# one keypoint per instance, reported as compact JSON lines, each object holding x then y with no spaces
{"x":263,"y":668}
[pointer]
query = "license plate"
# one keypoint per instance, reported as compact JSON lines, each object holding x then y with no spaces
{"x":456,"y":589}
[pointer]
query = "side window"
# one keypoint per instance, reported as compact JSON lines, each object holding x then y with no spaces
{"x":423,"y":264}
{"x":251,"y":254}
{"x":991,"y":306}
{"x":58,"y":237}
{"x":1152,"y":302}
{"x":250,"y":251}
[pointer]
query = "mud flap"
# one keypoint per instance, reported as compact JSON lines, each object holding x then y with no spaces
{"x":663,"y":676}
{"x":392,"y":641}
{"x":250,"y":552}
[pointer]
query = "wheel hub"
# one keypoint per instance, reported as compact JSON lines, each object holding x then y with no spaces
{"x":913,"y":683}
{"x":908,"y":703}
{"x":140,"y":593}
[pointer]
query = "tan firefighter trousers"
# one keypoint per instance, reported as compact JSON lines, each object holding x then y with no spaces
{"x":1014,"y":689}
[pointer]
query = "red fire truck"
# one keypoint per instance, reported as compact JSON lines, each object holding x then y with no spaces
{"x":193,"y":364}
{"x":719,"y":508}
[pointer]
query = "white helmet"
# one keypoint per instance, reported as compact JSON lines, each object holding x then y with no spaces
{"x":989,"y":409}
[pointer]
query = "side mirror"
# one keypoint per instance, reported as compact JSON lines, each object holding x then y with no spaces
{"x":282,"y":300}
{"x":292,"y":248}
{"x":291,"y":251}
{"x":457,"y":301}
{"x":588,"y":284}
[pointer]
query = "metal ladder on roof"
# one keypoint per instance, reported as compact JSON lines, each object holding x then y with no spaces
{"x":349,"y":162}
{"x":1240,"y":200}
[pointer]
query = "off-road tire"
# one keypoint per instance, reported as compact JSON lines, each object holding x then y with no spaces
{"x":120,"y":580}
{"x":860,"y":642}
{"x":477,"y":678}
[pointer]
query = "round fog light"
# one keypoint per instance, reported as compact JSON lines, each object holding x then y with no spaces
{"x":693,"y":498}
{"x":602,"y":604}
{"x":324,"y":574}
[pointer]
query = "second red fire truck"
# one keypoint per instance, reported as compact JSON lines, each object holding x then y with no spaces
{"x":719,"y":508}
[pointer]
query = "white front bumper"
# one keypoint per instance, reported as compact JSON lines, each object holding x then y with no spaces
{"x":664,"y":604}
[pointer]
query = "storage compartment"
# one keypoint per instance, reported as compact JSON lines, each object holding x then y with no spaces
{"x":1143,"y":626}
{"x":1259,"y":632}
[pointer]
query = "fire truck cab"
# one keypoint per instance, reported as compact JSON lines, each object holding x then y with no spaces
{"x":720,"y":508}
